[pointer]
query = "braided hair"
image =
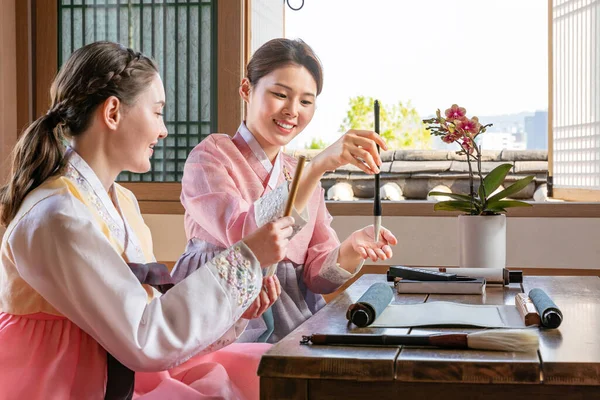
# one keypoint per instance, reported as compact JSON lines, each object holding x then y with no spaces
{"x":92,"y":74}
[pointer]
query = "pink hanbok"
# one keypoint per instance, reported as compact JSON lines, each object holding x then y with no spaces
{"x":230,"y":188}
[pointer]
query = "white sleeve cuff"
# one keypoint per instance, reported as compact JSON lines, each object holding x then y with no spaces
{"x":333,"y":272}
{"x":235,"y":268}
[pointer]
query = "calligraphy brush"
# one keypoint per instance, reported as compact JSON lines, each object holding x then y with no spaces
{"x":377,"y":198}
{"x":289,"y":206}
{"x":521,"y":340}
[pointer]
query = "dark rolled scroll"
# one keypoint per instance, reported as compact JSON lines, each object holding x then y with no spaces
{"x":370,"y":305}
{"x":549,"y":312}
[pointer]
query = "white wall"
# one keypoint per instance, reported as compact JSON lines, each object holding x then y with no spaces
{"x":432,"y":241}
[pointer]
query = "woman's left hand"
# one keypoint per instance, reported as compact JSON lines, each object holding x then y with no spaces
{"x":269,"y":293}
{"x":363,"y":242}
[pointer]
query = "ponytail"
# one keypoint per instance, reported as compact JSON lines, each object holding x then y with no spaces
{"x":92,"y":74}
{"x":38,"y":155}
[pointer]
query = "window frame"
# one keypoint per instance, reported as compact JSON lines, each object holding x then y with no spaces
{"x":37,"y":65}
{"x":8,"y":89}
{"x":568,"y":194}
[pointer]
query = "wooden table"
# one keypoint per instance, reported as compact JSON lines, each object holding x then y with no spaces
{"x":567,"y":365}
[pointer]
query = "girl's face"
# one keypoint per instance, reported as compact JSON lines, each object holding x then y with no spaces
{"x":279,"y":106}
{"x":141,"y":128}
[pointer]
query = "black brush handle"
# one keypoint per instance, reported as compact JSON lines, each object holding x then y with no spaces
{"x":377,"y":197}
{"x":455,"y":340}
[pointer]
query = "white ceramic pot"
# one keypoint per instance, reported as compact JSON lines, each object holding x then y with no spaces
{"x":482,"y":241}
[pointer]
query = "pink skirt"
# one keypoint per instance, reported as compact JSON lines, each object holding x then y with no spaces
{"x":44,"y":356}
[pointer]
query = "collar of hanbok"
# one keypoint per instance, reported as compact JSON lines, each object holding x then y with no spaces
{"x":106,"y":204}
{"x":273,"y":169}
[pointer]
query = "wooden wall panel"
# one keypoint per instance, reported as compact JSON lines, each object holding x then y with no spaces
{"x":8,"y":85}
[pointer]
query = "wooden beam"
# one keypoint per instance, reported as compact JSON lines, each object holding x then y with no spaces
{"x":577,"y":194}
{"x":24,"y":64}
{"x":550,"y":92}
{"x":230,"y":64}
{"x":45,"y":52}
{"x":163,"y":198}
{"x":161,"y":207}
{"x":425,"y":209}
{"x":8,"y":85}
{"x":247,"y":32}
{"x":154,"y":191}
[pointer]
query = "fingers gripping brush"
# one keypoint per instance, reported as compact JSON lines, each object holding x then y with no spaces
{"x":377,"y":195}
{"x":289,"y":206}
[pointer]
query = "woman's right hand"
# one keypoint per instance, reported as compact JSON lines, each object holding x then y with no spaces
{"x":270,"y":292}
{"x":355,"y":147}
{"x":269,"y":242}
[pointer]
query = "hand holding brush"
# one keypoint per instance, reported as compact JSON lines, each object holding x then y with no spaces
{"x":289,"y":206}
{"x":377,"y":195}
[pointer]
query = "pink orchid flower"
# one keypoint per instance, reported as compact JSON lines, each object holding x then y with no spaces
{"x":449,"y":138}
{"x":455,"y":112}
{"x":452,"y":137}
{"x":469,"y":125}
{"x":468,"y":145}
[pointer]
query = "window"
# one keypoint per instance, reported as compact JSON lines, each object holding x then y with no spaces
{"x":266,"y":23}
{"x":487,"y":56}
{"x":37,"y":56}
{"x":575,"y":82}
{"x":38,"y":53}
{"x":179,"y":35}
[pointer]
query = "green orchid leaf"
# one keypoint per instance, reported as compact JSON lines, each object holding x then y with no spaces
{"x":512,"y":189}
{"x":506,"y":204}
{"x":481,"y":194}
{"x":453,"y":205}
{"x":451,"y":195}
{"x":494,"y":211}
{"x":494,"y":179}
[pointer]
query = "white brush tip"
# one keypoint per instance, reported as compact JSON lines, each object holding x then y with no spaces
{"x":521,"y":340}
{"x":377,"y":227}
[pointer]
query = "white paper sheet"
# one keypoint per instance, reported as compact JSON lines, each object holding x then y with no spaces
{"x":443,"y":313}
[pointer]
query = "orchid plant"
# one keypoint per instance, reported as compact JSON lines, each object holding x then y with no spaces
{"x":456,"y":127}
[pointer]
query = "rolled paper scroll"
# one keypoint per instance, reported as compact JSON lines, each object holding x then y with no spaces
{"x":550,"y":314}
{"x":370,"y":305}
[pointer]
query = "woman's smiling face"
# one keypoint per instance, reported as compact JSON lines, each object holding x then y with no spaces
{"x":279,"y":106}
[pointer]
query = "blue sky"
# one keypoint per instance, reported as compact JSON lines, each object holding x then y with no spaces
{"x":489,"y":56}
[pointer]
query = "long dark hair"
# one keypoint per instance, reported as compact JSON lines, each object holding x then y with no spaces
{"x":92,"y":74}
{"x":277,"y":53}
